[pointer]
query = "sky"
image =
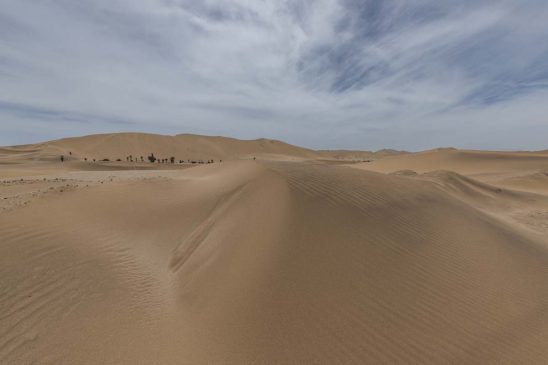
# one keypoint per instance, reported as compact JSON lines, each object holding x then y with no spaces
{"x":325,"y":74}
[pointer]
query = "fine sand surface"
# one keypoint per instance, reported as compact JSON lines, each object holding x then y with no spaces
{"x":182,"y":147}
{"x":281,"y":260}
{"x":186,"y":147}
{"x":521,"y":170}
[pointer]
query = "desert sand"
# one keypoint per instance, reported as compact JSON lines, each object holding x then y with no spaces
{"x":276,"y":255}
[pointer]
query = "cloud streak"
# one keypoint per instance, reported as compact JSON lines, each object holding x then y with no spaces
{"x":322,"y":73}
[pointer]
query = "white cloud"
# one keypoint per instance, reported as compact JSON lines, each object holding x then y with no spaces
{"x":324,"y":73}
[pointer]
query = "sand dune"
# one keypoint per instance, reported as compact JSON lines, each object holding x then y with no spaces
{"x":349,"y":155}
{"x":271,"y":262}
{"x":182,"y":147}
{"x":328,"y":263}
{"x":518,"y":170}
{"x":461,"y":161}
{"x":535,"y":181}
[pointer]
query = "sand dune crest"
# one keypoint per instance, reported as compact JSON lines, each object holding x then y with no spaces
{"x":273,"y":261}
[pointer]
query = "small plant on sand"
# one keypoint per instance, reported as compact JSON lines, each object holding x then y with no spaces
{"x":151,"y":158}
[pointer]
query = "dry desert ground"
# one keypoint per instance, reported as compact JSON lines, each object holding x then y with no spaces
{"x":276,"y":255}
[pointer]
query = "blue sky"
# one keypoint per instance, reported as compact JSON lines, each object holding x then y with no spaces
{"x":320,"y":73}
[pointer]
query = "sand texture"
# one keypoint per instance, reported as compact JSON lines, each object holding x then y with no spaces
{"x":439,"y":257}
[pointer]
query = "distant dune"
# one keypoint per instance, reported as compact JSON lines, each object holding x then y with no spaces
{"x":286,"y":259}
{"x":462,"y":161}
{"x":358,"y":155}
{"x":521,"y":170}
{"x":182,"y":147}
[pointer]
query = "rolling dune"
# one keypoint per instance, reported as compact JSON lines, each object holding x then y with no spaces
{"x":517,"y":170}
{"x":461,"y":161}
{"x":182,"y":147}
{"x":272,"y":262}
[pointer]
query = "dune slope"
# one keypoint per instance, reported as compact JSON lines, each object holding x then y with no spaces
{"x":524,"y":171}
{"x":275,"y":262}
{"x":462,"y":161}
{"x":182,"y":147}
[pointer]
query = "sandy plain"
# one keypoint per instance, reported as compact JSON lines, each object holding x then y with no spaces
{"x":274,"y":255}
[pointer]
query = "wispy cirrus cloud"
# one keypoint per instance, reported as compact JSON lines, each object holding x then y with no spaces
{"x":323,"y":73}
